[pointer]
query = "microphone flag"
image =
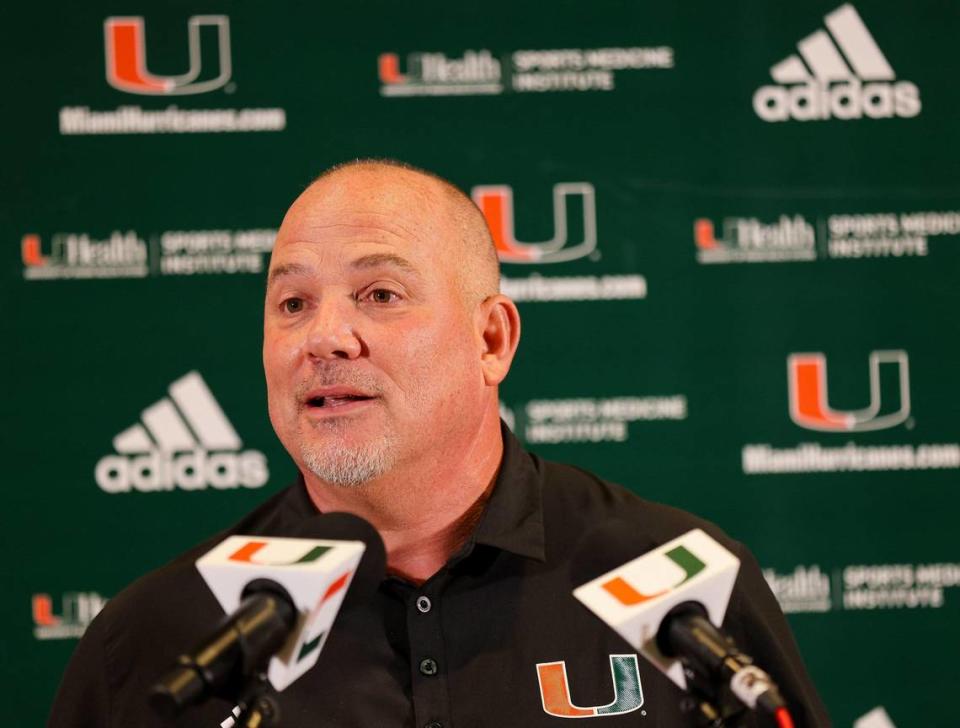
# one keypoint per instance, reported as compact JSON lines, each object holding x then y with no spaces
{"x":634,"y":598}
{"x":316,"y":573}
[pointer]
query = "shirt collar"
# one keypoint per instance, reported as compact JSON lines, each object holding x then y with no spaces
{"x":513,"y":518}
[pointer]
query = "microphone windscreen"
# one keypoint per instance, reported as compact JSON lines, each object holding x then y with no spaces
{"x":348,"y":527}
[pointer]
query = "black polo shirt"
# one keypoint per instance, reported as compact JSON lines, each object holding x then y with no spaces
{"x":463,"y":649}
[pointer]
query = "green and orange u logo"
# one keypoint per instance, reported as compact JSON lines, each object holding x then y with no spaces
{"x":555,"y":690}
{"x":624,"y":593}
{"x":248,"y":550}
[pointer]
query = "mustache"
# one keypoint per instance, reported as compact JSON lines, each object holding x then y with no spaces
{"x":333,"y":375}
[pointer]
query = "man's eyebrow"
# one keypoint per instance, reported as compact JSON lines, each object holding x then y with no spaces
{"x":288,"y":269}
{"x":377,"y":259}
{"x":367,"y":261}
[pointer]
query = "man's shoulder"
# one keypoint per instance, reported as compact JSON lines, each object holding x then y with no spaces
{"x":576,"y":499}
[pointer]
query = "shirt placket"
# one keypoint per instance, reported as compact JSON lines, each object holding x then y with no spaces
{"x":428,"y":654}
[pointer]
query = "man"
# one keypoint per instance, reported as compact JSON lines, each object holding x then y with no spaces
{"x":385,"y":338}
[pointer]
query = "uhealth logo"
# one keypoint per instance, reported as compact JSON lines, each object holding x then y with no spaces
{"x":749,"y":240}
{"x":842,"y":74}
{"x":496,"y":204}
{"x":122,"y":255}
{"x":125,"y":41}
{"x":435,"y":74}
{"x":76,"y":612}
{"x":889,"y":395}
{"x":185,"y":441}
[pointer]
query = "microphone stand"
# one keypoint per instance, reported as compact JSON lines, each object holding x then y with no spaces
{"x":709,"y":712}
{"x":258,"y":707}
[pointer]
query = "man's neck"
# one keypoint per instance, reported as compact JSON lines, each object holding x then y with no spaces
{"x":425,"y":512}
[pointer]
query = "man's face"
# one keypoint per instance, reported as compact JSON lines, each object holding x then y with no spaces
{"x":370,"y":354}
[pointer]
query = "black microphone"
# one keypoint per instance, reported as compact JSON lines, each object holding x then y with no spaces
{"x":286,"y":605}
{"x":712,"y":659}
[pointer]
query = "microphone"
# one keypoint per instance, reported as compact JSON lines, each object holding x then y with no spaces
{"x":281,"y":596}
{"x":666,"y":604}
{"x":712,"y":658}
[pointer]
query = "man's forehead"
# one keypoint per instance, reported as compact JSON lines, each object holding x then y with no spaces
{"x":355,"y":240}
{"x":350,"y":225}
{"x":281,"y":268}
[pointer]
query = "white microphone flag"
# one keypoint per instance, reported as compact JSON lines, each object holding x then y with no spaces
{"x":315,"y":573}
{"x":634,"y":598}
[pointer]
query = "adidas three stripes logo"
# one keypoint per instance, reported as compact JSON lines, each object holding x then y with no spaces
{"x":839,"y":73}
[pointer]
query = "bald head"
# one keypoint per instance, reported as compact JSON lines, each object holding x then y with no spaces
{"x":448,"y":217}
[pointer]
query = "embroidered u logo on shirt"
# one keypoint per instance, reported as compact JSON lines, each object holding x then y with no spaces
{"x":555,"y":689}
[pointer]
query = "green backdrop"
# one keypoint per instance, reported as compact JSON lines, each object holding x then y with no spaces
{"x":732,"y":229}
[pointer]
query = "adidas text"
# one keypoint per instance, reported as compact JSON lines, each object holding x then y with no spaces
{"x":195,"y":470}
{"x":850,"y":100}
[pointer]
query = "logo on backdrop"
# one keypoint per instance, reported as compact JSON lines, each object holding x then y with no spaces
{"x":208,"y":67}
{"x":587,"y":419}
{"x":840,"y":74}
{"x":434,"y":74}
{"x":571,"y":201}
{"x":805,"y":589}
{"x":748,"y":240}
{"x":496,"y":204}
{"x":901,"y":585}
{"x":555,"y":689}
{"x":129,"y":254}
{"x":888,"y":384}
{"x":121,"y":255}
{"x":482,"y":73}
{"x":184,"y":441}
{"x":77,"y":610}
{"x":795,"y":237}
{"x":126,"y":57}
{"x":809,"y":406}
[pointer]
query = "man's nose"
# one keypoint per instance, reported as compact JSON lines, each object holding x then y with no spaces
{"x":332,"y":333}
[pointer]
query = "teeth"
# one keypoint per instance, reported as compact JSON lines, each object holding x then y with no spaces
{"x":334,"y":401}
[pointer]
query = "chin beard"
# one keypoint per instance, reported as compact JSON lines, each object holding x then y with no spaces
{"x":348,"y":468}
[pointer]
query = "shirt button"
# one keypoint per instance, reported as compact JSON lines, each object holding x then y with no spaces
{"x":428,"y":667}
{"x":423,"y":604}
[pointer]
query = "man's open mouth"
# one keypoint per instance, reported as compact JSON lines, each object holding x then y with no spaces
{"x":336,"y":400}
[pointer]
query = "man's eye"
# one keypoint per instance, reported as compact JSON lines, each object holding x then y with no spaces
{"x":293,"y":305}
{"x":382,"y":295}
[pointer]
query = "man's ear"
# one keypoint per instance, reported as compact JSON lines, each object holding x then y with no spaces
{"x":498,"y":324}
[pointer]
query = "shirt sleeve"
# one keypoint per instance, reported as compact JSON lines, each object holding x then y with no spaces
{"x":756,"y":623}
{"x":83,"y":699}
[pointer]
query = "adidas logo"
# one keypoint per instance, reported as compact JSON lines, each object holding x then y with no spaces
{"x":185,"y":441}
{"x":842,"y":74}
